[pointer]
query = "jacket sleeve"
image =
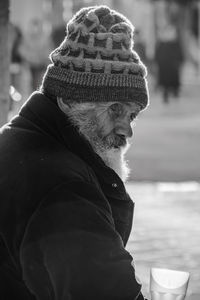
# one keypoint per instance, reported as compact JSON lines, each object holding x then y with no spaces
{"x":71,"y":250}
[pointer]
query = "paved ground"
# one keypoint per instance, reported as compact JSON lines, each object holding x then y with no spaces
{"x":166,"y":230}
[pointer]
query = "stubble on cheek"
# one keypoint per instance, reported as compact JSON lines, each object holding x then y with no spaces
{"x":109,"y":138}
{"x":105,"y":124}
{"x":102,"y":132}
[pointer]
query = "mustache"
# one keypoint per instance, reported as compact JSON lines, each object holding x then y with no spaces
{"x":115,"y":141}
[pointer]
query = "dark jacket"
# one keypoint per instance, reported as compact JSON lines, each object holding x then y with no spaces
{"x":65,"y":217}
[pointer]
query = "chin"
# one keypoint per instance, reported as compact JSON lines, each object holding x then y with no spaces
{"x":114,"y":158}
{"x":112,"y":152}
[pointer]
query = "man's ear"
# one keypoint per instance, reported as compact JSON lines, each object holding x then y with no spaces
{"x":63,"y":106}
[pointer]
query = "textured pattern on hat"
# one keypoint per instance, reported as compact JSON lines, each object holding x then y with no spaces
{"x":99,"y":40}
{"x":96,"y":60}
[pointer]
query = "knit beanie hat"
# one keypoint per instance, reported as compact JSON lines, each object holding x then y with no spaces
{"x":96,"y":61}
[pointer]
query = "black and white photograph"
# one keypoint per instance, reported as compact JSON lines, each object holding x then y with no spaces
{"x":100,"y":149}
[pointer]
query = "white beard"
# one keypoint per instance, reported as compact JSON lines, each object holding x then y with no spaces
{"x":114,"y":158}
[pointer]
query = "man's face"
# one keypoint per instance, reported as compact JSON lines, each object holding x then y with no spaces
{"x":107,"y":127}
{"x":114,"y":125}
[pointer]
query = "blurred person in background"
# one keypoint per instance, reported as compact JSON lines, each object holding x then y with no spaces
{"x":168,"y":59}
{"x":139,"y":45}
{"x":34,"y":50}
{"x":58,"y":35}
{"x":65,"y":214}
{"x":15,"y":39}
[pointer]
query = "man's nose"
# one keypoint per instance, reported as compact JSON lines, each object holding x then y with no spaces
{"x":125,"y":130}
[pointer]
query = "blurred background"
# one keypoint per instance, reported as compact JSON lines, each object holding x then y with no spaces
{"x":164,"y":156}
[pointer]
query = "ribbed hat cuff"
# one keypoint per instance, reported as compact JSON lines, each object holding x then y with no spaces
{"x":95,"y":87}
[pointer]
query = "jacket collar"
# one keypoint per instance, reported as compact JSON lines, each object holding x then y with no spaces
{"x":47,"y":116}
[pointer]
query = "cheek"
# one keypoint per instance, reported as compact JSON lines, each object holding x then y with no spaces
{"x":123,"y":123}
{"x":106,"y":125}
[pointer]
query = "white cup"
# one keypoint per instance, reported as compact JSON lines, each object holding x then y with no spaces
{"x":168,"y":284}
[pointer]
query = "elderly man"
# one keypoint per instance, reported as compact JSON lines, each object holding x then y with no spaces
{"x":65,"y":215}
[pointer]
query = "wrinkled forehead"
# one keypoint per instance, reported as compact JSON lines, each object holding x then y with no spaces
{"x":128,"y":107}
{"x":131,"y":107}
{"x":100,"y":107}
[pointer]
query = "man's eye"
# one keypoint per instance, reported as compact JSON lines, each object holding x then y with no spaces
{"x":116,"y":109}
